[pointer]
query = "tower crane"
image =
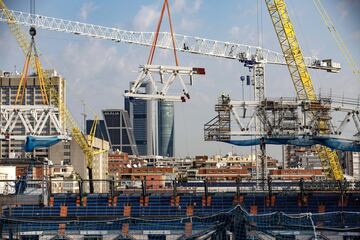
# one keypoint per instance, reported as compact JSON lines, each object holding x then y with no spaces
{"x":66,"y":118}
{"x":187,"y":44}
{"x":301,"y":78}
{"x":252,"y":56}
{"x":313,"y":128}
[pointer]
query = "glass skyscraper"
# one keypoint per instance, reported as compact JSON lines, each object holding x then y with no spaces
{"x":137,"y":110}
{"x":152,"y":120}
{"x":166,"y":128}
{"x":116,"y":127}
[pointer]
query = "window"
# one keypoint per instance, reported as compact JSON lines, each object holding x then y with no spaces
{"x":114,"y":136}
{"x":112,"y":119}
{"x":125,"y":139}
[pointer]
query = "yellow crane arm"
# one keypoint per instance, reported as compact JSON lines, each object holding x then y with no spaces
{"x":291,"y":49}
{"x":300,"y":76}
{"x":66,"y":118}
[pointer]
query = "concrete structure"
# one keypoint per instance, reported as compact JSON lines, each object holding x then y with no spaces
{"x":101,"y":165}
{"x":8,"y":88}
{"x":72,"y":155}
{"x":156,"y":177}
{"x":221,"y":174}
{"x":116,"y":161}
{"x":63,"y":179}
{"x":78,"y":161}
{"x":297,"y":174}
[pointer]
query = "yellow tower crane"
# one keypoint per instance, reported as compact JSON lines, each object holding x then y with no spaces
{"x":65,"y":116}
{"x":301,"y":79}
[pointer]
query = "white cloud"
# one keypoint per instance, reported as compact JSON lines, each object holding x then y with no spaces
{"x":189,"y":25}
{"x":94,"y":69}
{"x":243,"y":34}
{"x":86,"y":9}
{"x":187,"y":6}
{"x":145,"y":17}
{"x":356,"y":35}
{"x":342,"y":9}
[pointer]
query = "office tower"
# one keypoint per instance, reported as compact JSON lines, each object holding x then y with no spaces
{"x":101,"y":131}
{"x":137,"y":110}
{"x":166,"y":128}
{"x":119,"y":131}
{"x":153,"y":123}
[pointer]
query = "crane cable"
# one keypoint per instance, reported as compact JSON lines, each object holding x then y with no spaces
{"x":153,"y":46}
{"x":339,"y":41}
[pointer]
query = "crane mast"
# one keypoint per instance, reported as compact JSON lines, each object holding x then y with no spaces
{"x":301,"y":78}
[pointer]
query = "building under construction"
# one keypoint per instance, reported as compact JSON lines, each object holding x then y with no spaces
{"x":118,"y":179}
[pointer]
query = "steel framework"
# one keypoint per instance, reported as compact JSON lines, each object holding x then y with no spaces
{"x":301,"y":78}
{"x":196,"y":45}
{"x":34,"y":119}
{"x":282,"y":117}
{"x":160,"y":87}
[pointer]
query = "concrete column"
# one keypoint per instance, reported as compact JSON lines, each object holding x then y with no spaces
{"x":51,"y":201}
{"x":175,"y":201}
{"x":126,"y":213}
{"x":62,"y":226}
{"x":206,"y":200}
{"x":78,"y":201}
{"x":63,"y":211}
{"x":144,"y":200}
{"x":188,"y":225}
{"x":321,"y":209}
{"x":253,"y":209}
{"x":84,"y":201}
{"x":270,"y":201}
{"x":115,"y":199}
{"x":238,"y":199}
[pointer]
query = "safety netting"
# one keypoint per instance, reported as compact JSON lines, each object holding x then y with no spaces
{"x":237,"y":222}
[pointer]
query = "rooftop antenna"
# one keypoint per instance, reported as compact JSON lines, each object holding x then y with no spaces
{"x":84,"y":114}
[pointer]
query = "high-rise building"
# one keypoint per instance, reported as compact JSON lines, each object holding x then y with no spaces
{"x":153,"y":123}
{"x":137,"y":110}
{"x":9,"y":83}
{"x":166,"y":128}
{"x":119,"y":131}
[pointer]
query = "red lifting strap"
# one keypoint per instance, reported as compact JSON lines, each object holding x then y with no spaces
{"x":153,"y":46}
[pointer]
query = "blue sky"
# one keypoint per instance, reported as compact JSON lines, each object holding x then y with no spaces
{"x":98,"y":71}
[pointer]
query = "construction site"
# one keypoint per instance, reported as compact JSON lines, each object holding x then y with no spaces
{"x":161,"y":150}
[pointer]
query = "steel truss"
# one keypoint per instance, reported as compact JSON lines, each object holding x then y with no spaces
{"x":19,"y":121}
{"x":195,"y":45}
{"x":159,"y":87}
{"x":282,"y":117}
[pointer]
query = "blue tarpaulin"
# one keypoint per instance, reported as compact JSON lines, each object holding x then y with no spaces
{"x":333,"y":143}
{"x":33,"y":142}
